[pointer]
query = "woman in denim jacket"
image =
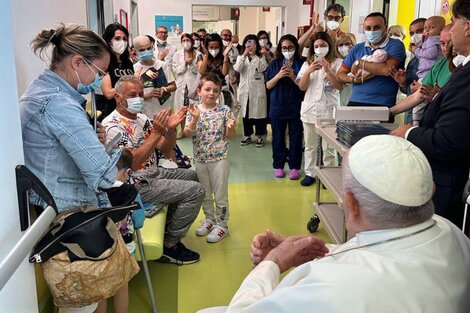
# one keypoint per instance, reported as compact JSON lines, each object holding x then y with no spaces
{"x":60,"y":145}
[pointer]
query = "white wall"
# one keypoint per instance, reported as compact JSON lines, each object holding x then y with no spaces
{"x":359,"y":9}
{"x":29,"y":17}
{"x":249,"y":21}
{"x":148,"y":10}
{"x":19,"y":294}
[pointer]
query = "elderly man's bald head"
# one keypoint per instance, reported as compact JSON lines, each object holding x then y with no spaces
{"x":141,"y":41}
{"x":445,"y":39}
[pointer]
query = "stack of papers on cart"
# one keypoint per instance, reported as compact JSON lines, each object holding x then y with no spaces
{"x":348,"y":133}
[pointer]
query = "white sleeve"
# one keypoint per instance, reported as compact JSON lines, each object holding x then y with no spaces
{"x":257,"y":285}
{"x":238,"y":66}
{"x":263,"y":64}
{"x":179,"y":64}
{"x":302,"y":71}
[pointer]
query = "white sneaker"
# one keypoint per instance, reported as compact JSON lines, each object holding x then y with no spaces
{"x":204,"y":227}
{"x":217,"y":234}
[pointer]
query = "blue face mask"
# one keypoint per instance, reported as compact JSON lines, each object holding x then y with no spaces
{"x":374,"y":36}
{"x":95,"y":85}
{"x":146,"y":55}
{"x":135,"y":105}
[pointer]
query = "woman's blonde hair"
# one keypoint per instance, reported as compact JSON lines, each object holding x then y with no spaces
{"x":69,"y":39}
{"x":399,"y":29}
{"x":346,"y":36}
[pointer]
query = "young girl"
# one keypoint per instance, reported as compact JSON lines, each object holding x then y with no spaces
{"x":185,"y":65}
{"x":251,"y":90}
{"x":286,"y":98}
{"x":211,"y":125}
{"x":318,"y":78}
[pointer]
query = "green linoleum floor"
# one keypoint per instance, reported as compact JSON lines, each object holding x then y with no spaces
{"x":257,"y":201}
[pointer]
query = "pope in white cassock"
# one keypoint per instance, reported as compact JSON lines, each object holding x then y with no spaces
{"x":402,"y":258}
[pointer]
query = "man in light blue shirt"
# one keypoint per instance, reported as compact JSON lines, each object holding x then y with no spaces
{"x":376,"y":88}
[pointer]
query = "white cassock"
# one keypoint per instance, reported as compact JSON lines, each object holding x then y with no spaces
{"x":428,"y":272}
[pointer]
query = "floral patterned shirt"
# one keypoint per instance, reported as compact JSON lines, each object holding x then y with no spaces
{"x":134,"y":133}
{"x":210,"y":142}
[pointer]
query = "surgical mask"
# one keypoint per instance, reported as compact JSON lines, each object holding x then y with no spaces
{"x":161,"y":42}
{"x":332,"y":25}
{"x":458,"y":59}
{"x":288,"y":54}
{"x":343,"y":50}
{"x":396,"y":37}
{"x":321,"y":52}
{"x":95,"y":85}
{"x":119,"y":46}
{"x":135,"y":105}
{"x":235,"y":44}
{"x":263,"y":42}
{"x":146,"y":55}
{"x":374,"y":36}
{"x":417,"y":39}
{"x":187,"y":45}
{"x":225,"y":42}
{"x":214,"y":52}
{"x":197,"y":44}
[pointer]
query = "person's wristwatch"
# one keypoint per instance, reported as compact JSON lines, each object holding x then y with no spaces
{"x":356,"y":63}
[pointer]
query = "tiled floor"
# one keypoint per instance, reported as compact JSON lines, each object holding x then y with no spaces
{"x":257,"y":201}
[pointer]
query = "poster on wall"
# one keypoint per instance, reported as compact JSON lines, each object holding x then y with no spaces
{"x":172,"y":22}
{"x":446,"y":11}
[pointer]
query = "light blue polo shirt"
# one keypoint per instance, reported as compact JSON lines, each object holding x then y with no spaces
{"x":380,"y":90}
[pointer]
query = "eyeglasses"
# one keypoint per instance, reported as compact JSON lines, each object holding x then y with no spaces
{"x":162,"y":32}
{"x":336,"y":18}
{"x":101,"y":73}
{"x":286,"y":49}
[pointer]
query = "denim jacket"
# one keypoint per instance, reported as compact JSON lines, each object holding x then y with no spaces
{"x":60,"y":145}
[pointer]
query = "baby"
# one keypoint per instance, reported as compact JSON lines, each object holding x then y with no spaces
{"x":430,"y":52}
{"x":379,"y":56}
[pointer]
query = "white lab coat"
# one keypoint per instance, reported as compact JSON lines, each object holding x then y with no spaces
{"x":252,"y":86}
{"x":428,"y":272}
{"x":186,"y":75}
{"x":321,"y":96}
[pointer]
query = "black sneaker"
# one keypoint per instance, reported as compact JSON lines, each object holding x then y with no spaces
{"x":307,"y":181}
{"x":179,"y":255}
{"x":259,"y":142}
{"x":246,"y":141}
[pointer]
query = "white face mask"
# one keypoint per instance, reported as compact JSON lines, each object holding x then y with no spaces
{"x":417,"y":39}
{"x":161,"y":42}
{"x":214,"y":52}
{"x":321,"y":52}
{"x":119,"y":46}
{"x":197,"y":44}
{"x":235,"y":44}
{"x":135,"y":105}
{"x":458,"y":59}
{"x":332,"y":25}
{"x":263,"y":42}
{"x":343,"y":50}
{"x":225,"y":43}
{"x":396,"y":37}
{"x":288,"y":54}
{"x":187,"y":45}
